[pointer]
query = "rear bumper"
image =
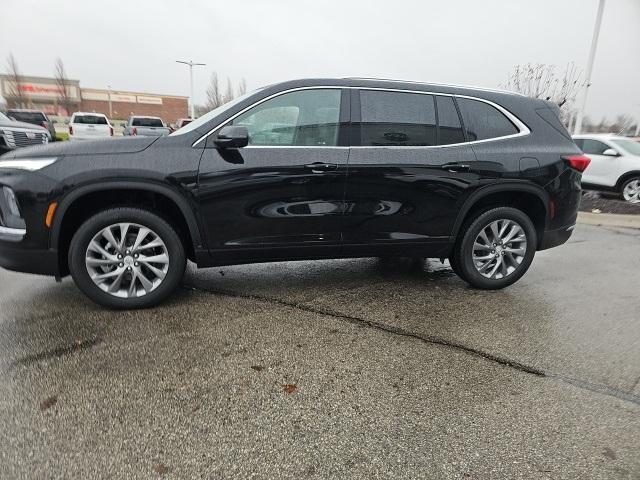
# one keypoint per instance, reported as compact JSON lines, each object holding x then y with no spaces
{"x":553,"y":238}
{"x":19,"y":259}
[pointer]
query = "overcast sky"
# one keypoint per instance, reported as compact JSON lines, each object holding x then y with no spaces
{"x":133,"y":45}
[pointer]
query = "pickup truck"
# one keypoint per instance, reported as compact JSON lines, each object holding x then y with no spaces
{"x":36,"y":117}
{"x":88,"y":126}
{"x":145,"y":127}
{"x":14,"y":134}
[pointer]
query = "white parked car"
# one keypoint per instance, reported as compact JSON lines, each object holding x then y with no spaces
{"x":615,"y":164}
{"x":88,"y":126}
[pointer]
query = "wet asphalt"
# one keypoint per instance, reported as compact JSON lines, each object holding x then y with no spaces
{"x":362,"y":368}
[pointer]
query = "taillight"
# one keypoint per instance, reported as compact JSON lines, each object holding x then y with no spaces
{"x":111,"y":131}
{"x":577,"y":162}
{"x":70,"y":130}
{"x":134,"y":131}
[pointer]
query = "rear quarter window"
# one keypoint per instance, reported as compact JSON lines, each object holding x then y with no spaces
{"x":483,"y":121}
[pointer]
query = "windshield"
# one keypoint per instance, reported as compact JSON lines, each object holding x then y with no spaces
{"x":628,"y":145}
{"x":198,"y":122}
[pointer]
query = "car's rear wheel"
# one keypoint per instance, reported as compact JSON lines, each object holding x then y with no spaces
{"x":496,"y":248}
{"x":631,"y":190}
{"x":126,"y":258}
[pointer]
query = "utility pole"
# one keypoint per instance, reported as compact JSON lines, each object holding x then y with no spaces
{"x":592,"y":56}
{"x":191,"y":64}
{"x":110,"y":107}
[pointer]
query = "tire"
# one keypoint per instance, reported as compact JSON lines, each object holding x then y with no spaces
{"x":630,"y":190}
{"x":512,"y":258}
{"x":160,"y":259}
{"x":454,"y":265}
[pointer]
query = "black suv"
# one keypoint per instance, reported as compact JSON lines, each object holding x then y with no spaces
{"x":306,"y":169}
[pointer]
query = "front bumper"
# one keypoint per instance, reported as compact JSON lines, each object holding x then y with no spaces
{"x":17,"y":258}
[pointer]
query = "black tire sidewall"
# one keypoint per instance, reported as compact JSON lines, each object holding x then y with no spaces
{"x":464,"y":248}
{"x":86,"y":232}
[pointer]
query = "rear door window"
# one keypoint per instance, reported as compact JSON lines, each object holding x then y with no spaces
{"x":397,"y":119}
{"x":483,"y":121}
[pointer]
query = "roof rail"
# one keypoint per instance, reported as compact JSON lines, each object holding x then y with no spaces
{"x":483,"y":89}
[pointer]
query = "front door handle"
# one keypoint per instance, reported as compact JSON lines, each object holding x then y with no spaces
{"x":456,"y":167}
{"x":319,"y":167}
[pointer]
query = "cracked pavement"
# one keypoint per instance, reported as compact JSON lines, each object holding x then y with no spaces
{"x":361,"y":368}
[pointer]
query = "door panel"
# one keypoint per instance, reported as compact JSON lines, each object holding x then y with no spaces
{"x":403,"y":190}
{"x":404,"y":195}
{"x":603,"y":169}
{"x":282,"y":196}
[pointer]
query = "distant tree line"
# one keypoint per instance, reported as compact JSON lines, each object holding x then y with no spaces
{"x":539,"y":80}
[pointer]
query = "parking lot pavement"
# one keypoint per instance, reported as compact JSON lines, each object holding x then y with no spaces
{"x":350,"y":369}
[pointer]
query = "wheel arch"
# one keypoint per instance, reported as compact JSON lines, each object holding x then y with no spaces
{"x":624,"y":177}
{"x":531,"y":199}
{"x":70,"y":203}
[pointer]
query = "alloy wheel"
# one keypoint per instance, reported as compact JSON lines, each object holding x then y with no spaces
{"x":631,"y":192}
{"x":127,"y":260}
{"x":499,"y":249}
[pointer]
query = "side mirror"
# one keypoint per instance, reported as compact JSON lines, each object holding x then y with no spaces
{"x":610,"y":152}
{"x":232,"y":136}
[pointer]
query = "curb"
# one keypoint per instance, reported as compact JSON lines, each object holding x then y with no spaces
{"x":609,"y":219}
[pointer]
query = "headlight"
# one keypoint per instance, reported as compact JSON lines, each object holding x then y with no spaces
{"x":30,"y":164}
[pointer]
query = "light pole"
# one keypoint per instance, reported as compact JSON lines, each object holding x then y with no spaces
{"x":110,"y":107}
{"x":191,"y":64}
{"x":592,"y":56}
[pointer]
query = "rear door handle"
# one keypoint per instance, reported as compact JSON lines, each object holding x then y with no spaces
{"x":319,"y":167}
{"x":456,"y":167}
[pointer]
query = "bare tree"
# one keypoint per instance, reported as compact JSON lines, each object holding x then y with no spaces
{"x":242,"y":87}
{"x":539,"y":80}
{"x":214,"y":96}
{"x":228,"y":94}
{"x":15,"y":96}
{"x":64,"y":100}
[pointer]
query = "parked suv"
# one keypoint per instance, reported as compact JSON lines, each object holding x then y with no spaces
{"x":145,"y":127}
{"x":35,"y":117}
{"x":615,"y":164}
{"x":306,"y":169}
{"x":89,"y":126}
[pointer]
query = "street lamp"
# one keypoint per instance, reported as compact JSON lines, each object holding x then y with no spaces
{"x":110,"y":105}
{"x":592,"y":56}
{"x":191,"y":64}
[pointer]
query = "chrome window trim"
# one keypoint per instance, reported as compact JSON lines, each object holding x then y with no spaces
{"x":522,"y":128}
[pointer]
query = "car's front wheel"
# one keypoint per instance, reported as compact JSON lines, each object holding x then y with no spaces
{"x":496,"y":248}
{"x":126,"y":258}
{"x":631,"y":190}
